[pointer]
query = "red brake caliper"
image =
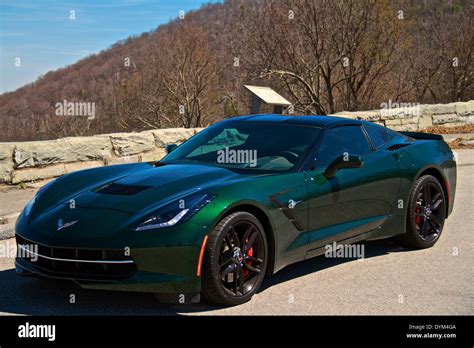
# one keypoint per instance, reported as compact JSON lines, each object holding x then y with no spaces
{"x":248,"y":253}
{"x":417,"y":217}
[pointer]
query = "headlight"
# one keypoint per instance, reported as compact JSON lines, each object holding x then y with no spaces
{"x":31,"y":203}
{"x":172,"y":213}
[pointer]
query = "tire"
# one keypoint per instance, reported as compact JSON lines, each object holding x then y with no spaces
{"x":229,"y":274}
{"x":424,"y":227}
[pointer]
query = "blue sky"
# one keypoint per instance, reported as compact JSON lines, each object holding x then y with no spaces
{"x":44,"y":37}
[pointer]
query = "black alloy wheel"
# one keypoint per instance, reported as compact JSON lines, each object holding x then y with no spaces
{"x":426,"y":213}
{"x":235,"y":260}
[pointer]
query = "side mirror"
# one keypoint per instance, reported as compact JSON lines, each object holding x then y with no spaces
{"x":170,"y":147}
{"x":342,"y":162}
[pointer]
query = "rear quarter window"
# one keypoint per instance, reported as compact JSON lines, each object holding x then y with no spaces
{"x":378,"y":135}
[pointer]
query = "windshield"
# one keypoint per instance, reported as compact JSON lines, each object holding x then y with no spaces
{"x":247,"y":145}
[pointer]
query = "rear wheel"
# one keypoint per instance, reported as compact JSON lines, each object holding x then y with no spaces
{"x":426,"y":213}
{"x":235,"y":260}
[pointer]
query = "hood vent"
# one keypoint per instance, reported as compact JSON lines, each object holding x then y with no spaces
{"x":121,"y":190}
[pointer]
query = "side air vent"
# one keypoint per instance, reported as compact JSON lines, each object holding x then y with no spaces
{"x":397,"y":146}
{"x":121,"y":190}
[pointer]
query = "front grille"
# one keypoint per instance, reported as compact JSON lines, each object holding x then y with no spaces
{"x":85,"y":264}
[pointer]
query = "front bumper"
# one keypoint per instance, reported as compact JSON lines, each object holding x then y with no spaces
{"x":163,"y":261}
{"x":170,"y":271}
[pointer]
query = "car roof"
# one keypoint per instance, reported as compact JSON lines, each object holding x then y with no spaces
{"x":312,"y":121}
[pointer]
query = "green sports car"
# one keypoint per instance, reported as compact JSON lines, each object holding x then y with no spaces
{"x":239,"y":200}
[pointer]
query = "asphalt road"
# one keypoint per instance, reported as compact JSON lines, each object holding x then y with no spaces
{"x":390,"y":280}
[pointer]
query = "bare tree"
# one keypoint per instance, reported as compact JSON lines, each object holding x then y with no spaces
{"x":328,"y":54}
{"x":191,"y":74}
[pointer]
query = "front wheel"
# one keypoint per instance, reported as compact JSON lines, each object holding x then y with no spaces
{"x":235,"y":260}
{"x":426,"y":213}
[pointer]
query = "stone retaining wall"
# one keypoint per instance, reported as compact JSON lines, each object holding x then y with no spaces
{"x":37,"y":160}
{"x":417,"y":117}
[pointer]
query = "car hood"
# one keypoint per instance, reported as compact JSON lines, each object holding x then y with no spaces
{"x":151,"y":187}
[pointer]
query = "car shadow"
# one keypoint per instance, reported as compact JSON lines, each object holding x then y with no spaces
{"x":371,"y":249}
{"x":38,"y":296}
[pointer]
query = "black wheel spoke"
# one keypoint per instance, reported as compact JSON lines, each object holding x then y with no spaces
{"x":435,"y":206}
{"x":424,"y":227}
{"x":427,"y":194}
{"x":240,"y":280}
{"x":433,"y":226}
{"x":234,"y":236}
{"x":246,"y":235}
{"x":250,"y":242}
{"x":434,"y":219}
{"x":254,"y":259}
{"x":251,"y":268}
{"x":226,"y":262}
{"x":435,"y":198}
{"x":228,"y":242}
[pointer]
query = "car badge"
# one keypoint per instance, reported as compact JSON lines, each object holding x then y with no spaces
{"x":62,"y":225}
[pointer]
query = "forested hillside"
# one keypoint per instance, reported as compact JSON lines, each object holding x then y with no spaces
{"x":324,"y":56}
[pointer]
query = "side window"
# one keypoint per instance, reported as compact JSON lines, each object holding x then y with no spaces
{"x":378,"y":135}
{"x":340,"y":140}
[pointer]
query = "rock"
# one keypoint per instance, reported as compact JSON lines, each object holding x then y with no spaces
{"x":371,"y":115}
{"x":80,"y":149}
{"x":6,"y":150}
{"x":439,"y":109}
{"x":73,"y":167}
{"x":404,"y":128}
{"x":410,"y":127}
{"x":345,"y":114}
{"x":126,"y":144}
{"x":465,"y":108}
{"x":155,"y":155}
{"x":6,"y":162}
{"x":405,"y":110}
{"x":410,"y":120}
{"x":425,"y":121}
{"x":453,"y":124}
{"x":123,"y":160}
{"x":164,"y":137}
{"x":37,"y":160}
{"x":468,"y":119}
{"x":30,"y":174}
{"x":393,"y":122}
{"x":445,"y":118}
{"x":38,"y":183}
{"x":7,"y":231}
{"x":52,"y":171}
